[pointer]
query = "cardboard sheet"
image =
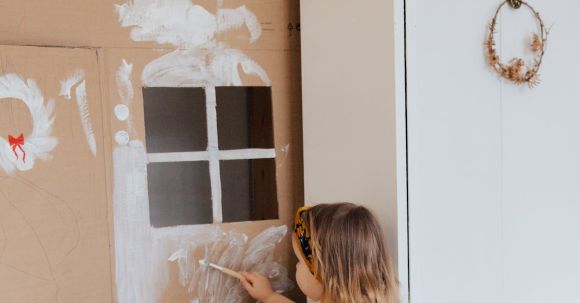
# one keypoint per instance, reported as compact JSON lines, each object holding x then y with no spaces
{"x":67,"y":223}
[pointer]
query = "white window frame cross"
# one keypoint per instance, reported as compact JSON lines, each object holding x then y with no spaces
{"x":213,"y":154}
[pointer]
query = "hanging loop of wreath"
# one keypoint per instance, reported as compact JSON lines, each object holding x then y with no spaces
{"x":516,"y":70}
{"x":516,"y":3}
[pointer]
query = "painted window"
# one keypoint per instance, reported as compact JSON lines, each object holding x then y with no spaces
{"x":211,"y":155}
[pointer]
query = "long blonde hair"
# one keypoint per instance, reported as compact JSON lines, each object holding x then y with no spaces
{"x":353,"y":263}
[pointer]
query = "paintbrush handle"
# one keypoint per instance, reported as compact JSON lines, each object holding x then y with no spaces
{"x":227,"y":271}
{"x":232,"y":273}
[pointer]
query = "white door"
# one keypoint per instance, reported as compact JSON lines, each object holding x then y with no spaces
{"x":494,"y":168}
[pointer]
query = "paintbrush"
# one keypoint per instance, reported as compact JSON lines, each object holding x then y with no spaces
{"x":226,"y":271}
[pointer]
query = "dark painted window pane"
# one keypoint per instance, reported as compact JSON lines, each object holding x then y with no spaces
{"x":249,"y":190}
{"x":175,"y":119}
{"x":179,"y":193}
{"x":244,"y":116}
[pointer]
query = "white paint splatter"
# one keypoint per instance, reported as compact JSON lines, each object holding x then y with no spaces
{"x":121,"y":112}
{"x":72,"y":80}
{"x":122,"y":137}
{"x":83,"y":106}
{"x":37,"y":144}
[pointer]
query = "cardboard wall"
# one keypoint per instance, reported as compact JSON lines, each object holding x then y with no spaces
{"x":58,"y":218}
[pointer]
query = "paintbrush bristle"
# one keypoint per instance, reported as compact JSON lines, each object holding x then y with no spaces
{"x":203,"y":262}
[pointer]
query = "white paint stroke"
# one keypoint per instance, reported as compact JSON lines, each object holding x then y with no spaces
{"x":141,"y":251}
{"x":284,"y":150}
{"x":40,"y":142}
{"x":124,"y":84}
{"x":232,"y":154}
{"x":199,"y":60}
{"x":72,"y":80}
{"x":213,"y":152}
{"x":228,"y":19}
{"x":232,"y":250}
{"x":83,"y":106}
{"x":201,"y":68}
{"x":182,"y":23}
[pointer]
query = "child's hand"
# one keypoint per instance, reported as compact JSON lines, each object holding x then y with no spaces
{"x":257,"y":286}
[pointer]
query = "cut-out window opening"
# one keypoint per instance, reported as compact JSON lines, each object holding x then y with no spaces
{"x":211,"y":155}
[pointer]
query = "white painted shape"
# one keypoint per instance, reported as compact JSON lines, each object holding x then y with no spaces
{"x":121,"y":112}
{"x":239,"y":154}
{"x":180,"y":253}
{"x":83,"y":106}
{"x":232,"y":250}
{"x":137,"y":277}
{"x":124,"y":84}
{"x":228,"y":19}
{"x":39,"y":143}
{"x":232,"y":154}
{"x":178,"y":22}
{"x":493,"y":168}
{"x":72,"y":80}
{"x":182,"y":23}
{"x":200,"y":68}
{"x":213,"y":151}
{"x":141,"y":251}
{"x":122,"y":137}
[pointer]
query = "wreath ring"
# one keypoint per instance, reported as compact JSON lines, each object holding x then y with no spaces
{"x":516,"y":70}
{"x":20,"y":152}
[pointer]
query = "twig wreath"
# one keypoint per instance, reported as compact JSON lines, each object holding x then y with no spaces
{"x":516,"y":69}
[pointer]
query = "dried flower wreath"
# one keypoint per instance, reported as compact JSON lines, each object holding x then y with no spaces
{"x":516,"y":69}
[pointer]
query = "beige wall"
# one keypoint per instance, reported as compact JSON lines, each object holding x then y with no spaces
{"x":348,"y":106}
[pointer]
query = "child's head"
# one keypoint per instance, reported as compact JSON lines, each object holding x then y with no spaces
{"x":342,"y":255}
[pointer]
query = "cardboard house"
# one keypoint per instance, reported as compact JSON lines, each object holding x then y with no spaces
{"x":138,"y":137}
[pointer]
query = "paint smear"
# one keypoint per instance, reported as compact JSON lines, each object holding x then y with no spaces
{"x":201,"y":68}
{"x":233,"y":250}
{"x":81,"y":96}
{"x":40,"y":142}
{"x":182,"y":23}
{"x":141,"y":251}
{"x":229,"y":19}
{"x":67,"y":84}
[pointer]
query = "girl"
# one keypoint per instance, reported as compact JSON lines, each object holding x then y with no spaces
{"x":341,"y":258}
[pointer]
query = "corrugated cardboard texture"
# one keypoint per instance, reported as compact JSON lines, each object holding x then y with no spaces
{"x":56,"y":220}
